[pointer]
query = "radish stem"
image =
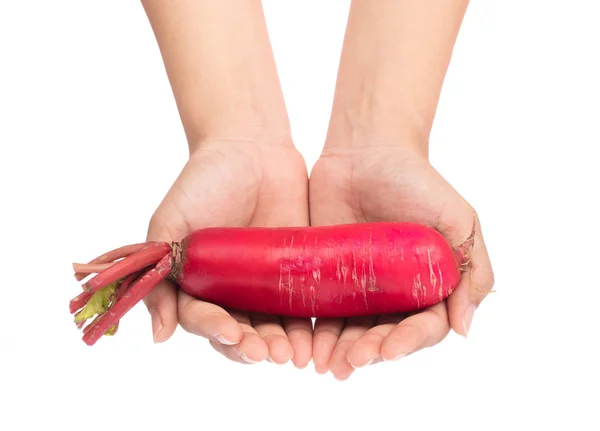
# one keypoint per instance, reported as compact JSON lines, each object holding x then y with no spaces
{"x":79,"y":301}
{"x":90,"y":268}
{"x":117,"y":253}
{"x":142,"y":287}
{"x":149,"y":255}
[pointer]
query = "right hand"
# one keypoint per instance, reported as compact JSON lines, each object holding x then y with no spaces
{"x":233,"y":184}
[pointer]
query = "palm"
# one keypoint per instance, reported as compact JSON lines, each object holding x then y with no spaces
{"x":231,"y":185}
{"x":236,"y":185}
{"x":385,"y":185}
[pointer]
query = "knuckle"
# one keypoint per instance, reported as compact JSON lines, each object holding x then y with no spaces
{"x":294,"y":330}
{"x":418,"y":330}
{"x":185,"y":324}
{"x":373,"y":338}
{"x":327,"y":332}
{"x":188,"y":319}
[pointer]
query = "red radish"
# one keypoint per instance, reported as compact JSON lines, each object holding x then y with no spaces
{"x":329,"y":271}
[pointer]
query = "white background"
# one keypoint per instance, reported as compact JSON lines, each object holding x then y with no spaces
{"x":90,"y":142}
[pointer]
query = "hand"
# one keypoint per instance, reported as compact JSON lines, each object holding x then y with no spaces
{"x":233,"y":184}
{"x":387,"y":183}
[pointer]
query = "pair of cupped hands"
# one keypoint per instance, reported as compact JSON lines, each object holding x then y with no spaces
{"x":250,"y":183}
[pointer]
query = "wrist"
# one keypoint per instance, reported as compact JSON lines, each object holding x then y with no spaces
{"x":359,"y":133}
{"x":247,"y":138}
{"x":245,"y":113}
{"x":372,"y":109}
{"x":360,"y":151}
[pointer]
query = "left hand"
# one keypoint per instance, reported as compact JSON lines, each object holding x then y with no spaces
{"x":389,"y":183}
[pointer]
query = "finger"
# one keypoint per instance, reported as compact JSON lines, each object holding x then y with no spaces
{"x":270,"y":329}
{"x":161,"y":303}
{"x":250,"y":350}
{"x":416,"y":332}
{"x":325,"y":337}
{"x":241,"y":317}
{"x":208,"y":320}
{"x":300,"y":334}
{"x":354,"y":329}
{"x":367,"y":349}
{"x":393,"y":318}
{"x":475,"y":283}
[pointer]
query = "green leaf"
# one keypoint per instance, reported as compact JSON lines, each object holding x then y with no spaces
{"x":111,"y":330}
{"x":98,"y":303}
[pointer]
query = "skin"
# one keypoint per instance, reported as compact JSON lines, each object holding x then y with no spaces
{"x":243,"y":169}
{"x":407,"y":188}
{"x":375,"y":167}
{"x":273,"y":194}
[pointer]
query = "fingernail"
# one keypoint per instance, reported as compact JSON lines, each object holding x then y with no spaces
{"x":398,"y":357}
{"x":157,"y":325}
{"x":221,"y":339}
{"x":467,"y":319}
{"x":245,"y":358}
{"x":369,"y":362}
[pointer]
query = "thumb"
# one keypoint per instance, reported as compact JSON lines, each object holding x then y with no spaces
{"x":476,"y":282}
{"x":162,"y":301}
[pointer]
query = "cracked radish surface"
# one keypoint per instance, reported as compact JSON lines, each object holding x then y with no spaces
{"x":335,"y":271}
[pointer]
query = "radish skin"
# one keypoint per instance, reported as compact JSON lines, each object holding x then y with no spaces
{"x":330,"y":271}
{"x":337,"y":271}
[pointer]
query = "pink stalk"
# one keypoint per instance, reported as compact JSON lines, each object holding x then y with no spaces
{"x":142,"y":287}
